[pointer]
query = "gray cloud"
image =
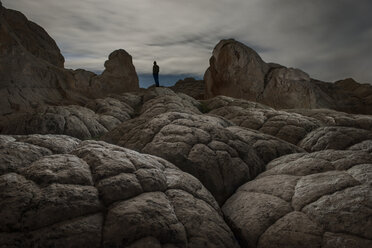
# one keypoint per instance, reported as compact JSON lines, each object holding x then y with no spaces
{"x":328,"y":39}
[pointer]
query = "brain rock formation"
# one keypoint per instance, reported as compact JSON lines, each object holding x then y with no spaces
{"x":222,"y":157}
{"x":93,"y":194}
{"x":100,"y":116}
{"x":290,"y":127}
{"x":322,"y":199}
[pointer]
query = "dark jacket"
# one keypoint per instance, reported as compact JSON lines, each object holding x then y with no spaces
{"x":155,"y":69}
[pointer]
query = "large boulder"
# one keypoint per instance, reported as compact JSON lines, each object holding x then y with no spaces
{"x":322,"y":199}
{"x":238,"y":71}
{"x":32,"y":72}
{"x":119,"y":76}
{"x":292,"y":88}
{"x":34,"y":38}
{"x":190,"y":86}
{"x":100,"y":195}
{"x":235,"y":70}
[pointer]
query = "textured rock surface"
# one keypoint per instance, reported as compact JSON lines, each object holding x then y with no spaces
{"x":238,"y":71}
{"x":322,"y":199}
{"x":32,"y":72}
{"x":292,"y":88}
{"x":290,"y":127}
{"x":119,"y":75}
{"x":191,"y":87}
{"x":200,"y":145}
{"x":330,"y":117}
{"x":235,"y":70}
{"x":101,"y":195}
{"x":338,"y":138}
{"x":73,"y":120}
{"x":266,"y":146}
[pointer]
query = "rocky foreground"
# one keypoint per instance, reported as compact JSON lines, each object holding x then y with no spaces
{"x":184,"y":173}
{"x":91,"y":160}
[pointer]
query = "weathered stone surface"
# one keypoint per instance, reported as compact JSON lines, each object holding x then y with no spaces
{"x":329,"y":117}
{"x":238,"y":71}
{"x":200,"y":145}
{"x":266,"y":146}
{"x":169,"y":103}
{"x":191,"y":87}
{"x":104,"y":195}
{"x":364,"y":145}
{"x":32,"y":72}
{"x":34,"y":38}
{"x":291,"y":88}
{"x":16,"y":155}
{"x":339,"y":240}
{"x":119,"y":75}
{"x":334,"y":138}
{"x":73,"y":120}
{"x":292,"y":231}
{"x":56,"y":143}
{"x":250,"y":214}
{"x":62,"y":169}
{"x":225,"y":101}
{"x":290,"y":127}
{"x":327,"y":195}
{"x":235,"y":70}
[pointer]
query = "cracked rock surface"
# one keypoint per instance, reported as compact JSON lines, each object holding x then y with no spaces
{"x":73,"y":120}
{"x":291,"y":127}
{"x":339,"y":138}
{"x":321,"y":199}
{"x":93,"y":194}
{"x":200,"y":145}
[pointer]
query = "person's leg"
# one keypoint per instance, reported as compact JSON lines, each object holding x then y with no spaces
{"x":156,"y":77}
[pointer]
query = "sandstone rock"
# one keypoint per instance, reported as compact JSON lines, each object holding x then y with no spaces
{"x":235,"y":70}
{"x":56,"y":143}
{"x":320,"y":199}
{"x":266,"y":146}
{"x":238,"y":71}
{"x":169,"y":103}
{"x":290,"y":127}
{"x":364,"y":145}
{"x":328,"y":117}
{"x":191,"y":87}
{"x":33,"y":37}
{"x":225,"y":101}
{"x":200,"y":145}
{"x":334,"y":138}
{"x":73,"y":120}
{"x":16,"y":155}
{"x":119,"y":75}
{"x":291,"y":88}
{"x":32,"y":72}
{"x":101,"y":195}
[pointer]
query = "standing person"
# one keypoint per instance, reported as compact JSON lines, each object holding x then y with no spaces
{"x":155,"y":73}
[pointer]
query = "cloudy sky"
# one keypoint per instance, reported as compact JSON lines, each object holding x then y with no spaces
{"x":329,"y":39}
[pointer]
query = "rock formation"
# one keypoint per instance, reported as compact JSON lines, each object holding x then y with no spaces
{"x":191,"y":87}
{"x":32,"y":72}
{"x":320,"y":199}
{"x":238,"y":71}
{"x":176,"y":171}
{"x":99,"y":195}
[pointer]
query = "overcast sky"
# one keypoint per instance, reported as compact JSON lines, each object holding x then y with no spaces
{"x":329,"y":39}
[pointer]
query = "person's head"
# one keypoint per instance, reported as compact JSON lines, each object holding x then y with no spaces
{"x":154,"y":62}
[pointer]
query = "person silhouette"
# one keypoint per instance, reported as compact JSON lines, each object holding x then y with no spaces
{"x":155,"y":73}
